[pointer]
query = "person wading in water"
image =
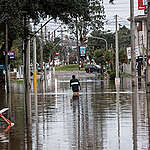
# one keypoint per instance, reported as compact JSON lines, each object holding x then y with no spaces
{"x":75,"y":84}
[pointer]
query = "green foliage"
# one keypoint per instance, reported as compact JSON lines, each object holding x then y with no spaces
{"x":124,"y":42}
{"x":112,"y":74}
{"x":99,"y":43}
{"x":17,"y":12}
{"x":63,"y":10}
{"x":125,"y":75}
{"x":93,"y":21}
{"x":48,"y":50}
{"x":96,"y":15}
{"x":107,"y":58}
{"x":71,"y":67}
{"x":124,"y":37}
{"x":17,"y":47}
{"x":99,"y":56}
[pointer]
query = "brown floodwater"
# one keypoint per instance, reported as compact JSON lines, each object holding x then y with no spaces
{"x":102,"y":118}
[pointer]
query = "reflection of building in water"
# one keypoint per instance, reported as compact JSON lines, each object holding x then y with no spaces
{"x":142,"y":122}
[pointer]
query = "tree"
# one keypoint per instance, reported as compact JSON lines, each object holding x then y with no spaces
{"x":16,"y":14}
{"x":89,"y":23}
{"x":124,"y":36}
{"x":99,"y":57}
{"x":96,"y":47}
{"x":98,"y":43}
{"x":96,"y":15}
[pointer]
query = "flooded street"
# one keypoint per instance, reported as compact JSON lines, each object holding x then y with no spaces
{"x":100,"y":119}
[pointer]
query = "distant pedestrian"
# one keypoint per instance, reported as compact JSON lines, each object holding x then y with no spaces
{"x":75,"y":84}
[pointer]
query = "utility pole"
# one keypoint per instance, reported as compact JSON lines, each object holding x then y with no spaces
{"x":34,"y":66}
{"x":133,"y":54}
{"x":6,"y":61}
{"x":117,"y":79}
{"x":41,"y":50}
{"x":27,"y":70}
{"x":78,"y":49}
{"x":35,"y":73}
{"x":133,"y":72}
{"x":28,"y":83}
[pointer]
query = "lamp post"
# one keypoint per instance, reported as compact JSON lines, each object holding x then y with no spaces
{"x":101,"y":39}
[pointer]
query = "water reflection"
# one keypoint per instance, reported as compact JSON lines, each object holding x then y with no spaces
{"x":101,"y":119}
{"x":148,"y":116}
{"x":118,"y":113}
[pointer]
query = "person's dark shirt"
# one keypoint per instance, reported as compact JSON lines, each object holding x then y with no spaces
{"x":74,"y":83}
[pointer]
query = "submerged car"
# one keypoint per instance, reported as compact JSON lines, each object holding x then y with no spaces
{"x":92,"y":68}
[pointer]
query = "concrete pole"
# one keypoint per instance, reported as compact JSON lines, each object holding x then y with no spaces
{"x":117,"y":53}
{"x":133,"y":73}
{"x":41,"y":50}
{"x":35,"y":76}
{"x":117,"y":79}
{"x":77,"y":38}
{"x":133,"y":54}
{"x":6,"y":61}
{"x":34,"y":66}
{"x":28,"y":84}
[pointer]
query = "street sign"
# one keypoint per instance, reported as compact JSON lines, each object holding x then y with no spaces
{"x":82,"y":51}
{"x":148,"y":60}
{"x":141,"y":5}
{"x":2,"y":67}
{"x":129,"y":52}
{"x":11,"y":54}
{"x":117,"y":81}
{"x":137,"y":53}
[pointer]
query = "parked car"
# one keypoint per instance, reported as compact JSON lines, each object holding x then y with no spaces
{"x":92,"y":68}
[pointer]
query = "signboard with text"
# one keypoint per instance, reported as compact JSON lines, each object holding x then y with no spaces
{"x":129,"y":52}
{"x":141,"y":5}
{"x":137,"y":53}
{"x":2,"y":67}
{"x":11,"y":54}
{"x":82,"y":51}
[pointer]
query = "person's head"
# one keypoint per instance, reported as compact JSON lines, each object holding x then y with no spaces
{"x":73,"y":76}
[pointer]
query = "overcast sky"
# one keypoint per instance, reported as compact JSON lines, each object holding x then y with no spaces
{"x":120,"y":8}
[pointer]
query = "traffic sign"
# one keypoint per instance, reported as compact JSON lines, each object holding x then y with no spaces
{"x":148,"y":60}
{"x":2,"y":67}
{"x":117,"y":81}
{"x":129,"y":52}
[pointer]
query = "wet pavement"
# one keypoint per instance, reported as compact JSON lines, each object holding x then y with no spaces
{"x":100,"y":119}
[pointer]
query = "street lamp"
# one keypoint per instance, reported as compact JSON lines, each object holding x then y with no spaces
{"x":101,"y":39}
